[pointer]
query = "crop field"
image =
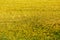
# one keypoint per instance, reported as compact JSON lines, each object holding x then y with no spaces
{"x":29,"y":20}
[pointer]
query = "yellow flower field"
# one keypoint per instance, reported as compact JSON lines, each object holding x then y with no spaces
{"x":29,"y":20}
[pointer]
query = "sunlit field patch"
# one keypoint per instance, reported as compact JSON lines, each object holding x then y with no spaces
{"x":29,"y":20}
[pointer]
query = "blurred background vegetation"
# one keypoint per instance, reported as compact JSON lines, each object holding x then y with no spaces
{"x":29,"y":20}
